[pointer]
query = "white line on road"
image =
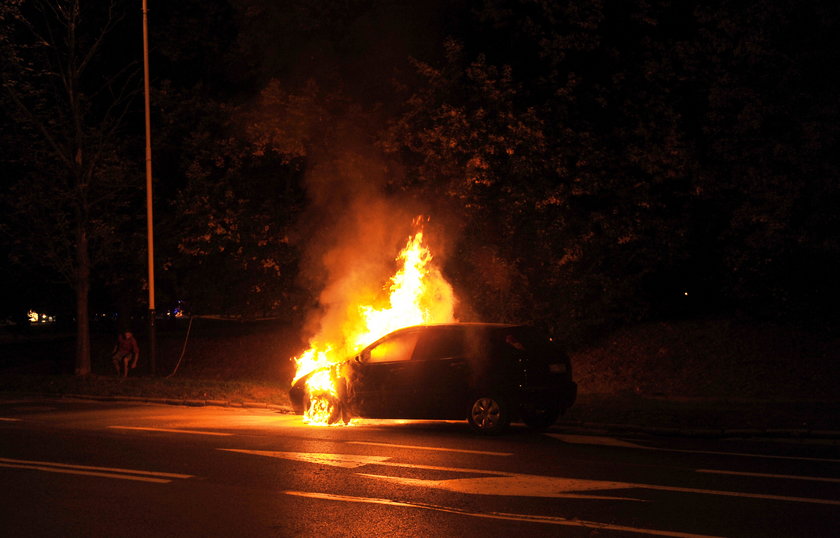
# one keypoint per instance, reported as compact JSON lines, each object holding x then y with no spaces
{"x":510,"y":484}
{"x":551,"y":520}
{"x":97,"y":468}
{"x":415,"y":447}
{"x":170,"y":430}
{"x":87,"y":473}
{"x":594,"y":440}
{"x":782,"y":498}
{"x":608,"y":441}
{"x":747,"y":455}
{"x":348,"y":461}
{"x":352,"y":461}
{"x":502,"y":482}
{"x":109,"y":472}
{"x":766,"y":475}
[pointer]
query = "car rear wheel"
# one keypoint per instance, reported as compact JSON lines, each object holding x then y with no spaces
{"x":489,"y":415}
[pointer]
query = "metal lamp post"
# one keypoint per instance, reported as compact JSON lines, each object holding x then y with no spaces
{"x":149,"y":220}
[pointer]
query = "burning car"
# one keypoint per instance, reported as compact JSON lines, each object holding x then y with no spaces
{"x":490,"y":374}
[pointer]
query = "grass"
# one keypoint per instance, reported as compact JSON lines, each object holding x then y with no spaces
{"x":179,"y":389}
{"x":715,"y":374}
{"x":220,"y":361}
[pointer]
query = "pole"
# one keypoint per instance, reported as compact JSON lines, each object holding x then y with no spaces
{"x":149,"y":220}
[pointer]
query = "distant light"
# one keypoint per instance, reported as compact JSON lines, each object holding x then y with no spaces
{"x":35,"y":317}
{"x":685,"y":293}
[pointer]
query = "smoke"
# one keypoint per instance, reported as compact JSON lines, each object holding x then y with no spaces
{"x":336,"y":64}
{"x":352,"y":230}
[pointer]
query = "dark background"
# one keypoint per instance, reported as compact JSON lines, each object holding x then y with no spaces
{"x":584,"y":165}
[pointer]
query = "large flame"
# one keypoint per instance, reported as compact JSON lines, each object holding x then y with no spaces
{"x":418,"y":294}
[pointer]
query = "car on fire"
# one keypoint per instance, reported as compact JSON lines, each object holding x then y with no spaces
{"x":489,"y":373}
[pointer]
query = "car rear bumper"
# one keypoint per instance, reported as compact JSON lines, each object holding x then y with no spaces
{"x":562,"y":396}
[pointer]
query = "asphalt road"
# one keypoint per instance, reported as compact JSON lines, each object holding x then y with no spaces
{"x":75,"y":468}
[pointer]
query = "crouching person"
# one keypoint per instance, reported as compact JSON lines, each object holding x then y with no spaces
{"x":125,"y":351}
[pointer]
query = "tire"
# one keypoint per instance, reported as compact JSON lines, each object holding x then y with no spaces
{"x":488,"y":415}
{"x":541,"y":417}
{"x":325,"y":405}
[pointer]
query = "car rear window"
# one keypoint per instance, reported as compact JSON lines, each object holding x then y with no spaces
{"x":526,"y":339}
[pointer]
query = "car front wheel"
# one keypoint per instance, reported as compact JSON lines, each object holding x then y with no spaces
{"x":322,"y":409}
{"x":489,"y":415}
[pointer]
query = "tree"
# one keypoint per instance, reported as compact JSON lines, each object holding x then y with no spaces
{"x":67,"y":88}
{"x":667,"y":147}
{"x":770,"y":135}
{"x":228,"y":249}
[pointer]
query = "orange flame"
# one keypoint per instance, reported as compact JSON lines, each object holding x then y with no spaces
{"x":418,"y":294}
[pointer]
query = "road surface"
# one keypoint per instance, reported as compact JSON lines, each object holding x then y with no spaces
{"x":78,"y":468}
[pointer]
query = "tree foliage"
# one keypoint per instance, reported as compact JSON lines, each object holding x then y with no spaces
{"x":66,"y":95}
{"x":596,"y":162}
{"x":624,"y":159}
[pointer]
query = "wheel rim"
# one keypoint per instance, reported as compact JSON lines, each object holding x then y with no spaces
{"x":486,"y":413}
{"x":321,"y":409}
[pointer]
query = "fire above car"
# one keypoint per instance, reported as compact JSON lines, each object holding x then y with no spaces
{"x":488,"y":373}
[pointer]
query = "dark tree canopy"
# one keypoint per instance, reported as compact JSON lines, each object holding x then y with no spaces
{"x":68,"y":202}
{"x":592,"y":163}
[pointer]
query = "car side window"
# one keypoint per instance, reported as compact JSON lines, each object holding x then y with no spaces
{"x":442,"y":344}
{"x":394,"y":349}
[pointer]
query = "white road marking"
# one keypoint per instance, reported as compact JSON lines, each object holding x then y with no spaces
{"x":530,"y":518}
{"x":4,"y":419}
{"x":416,"y":447}
{"x":503,"y":483}
{"x":97,"y":468}
{"x":608,"y":441}
{"x":747,"y":455}
{"x":766,"y":475}
{"x":594,"y":440}
{"x":348,"y":461}
{"x":783,"y":498}
{"x":90,"y":470}
{"x":87,"y":473}
{"x":515,"y":485}
{"x":353,"y":461}
{"x":512,"y":484}
{"x":170,"y":430}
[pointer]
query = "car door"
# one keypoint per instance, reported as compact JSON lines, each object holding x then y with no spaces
{"x":383,"y":379}
{"x":440,"y":373}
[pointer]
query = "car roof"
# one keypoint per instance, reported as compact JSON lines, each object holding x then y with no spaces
{"x":433,"y":326}
{"x":468,"y":324}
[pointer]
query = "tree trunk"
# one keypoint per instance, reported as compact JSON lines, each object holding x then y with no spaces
{"x":82,"y":293}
